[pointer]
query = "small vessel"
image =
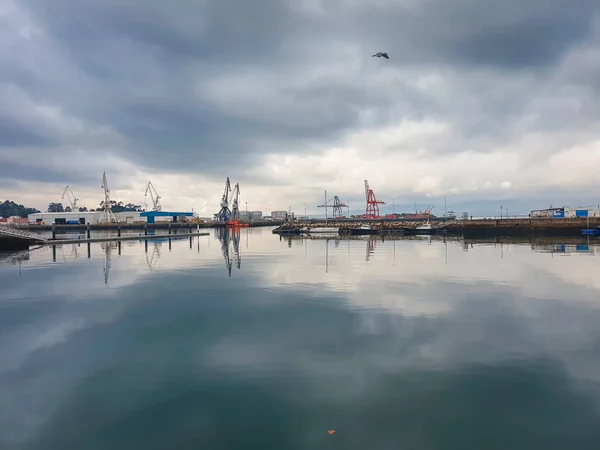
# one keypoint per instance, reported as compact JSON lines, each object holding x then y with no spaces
{"x":321,"y":230}
{"x":290,"y":232}
{"x":364,"y":229}
{"x":450,"y":215}
{"x":287,"y":231}
{"x":424,"y":229}
{"x":234,"y":223}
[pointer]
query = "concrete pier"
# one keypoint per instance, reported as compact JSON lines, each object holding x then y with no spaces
{"x":471,"y":228}
{"x":123,"y":238}
{"x":141,"y":226}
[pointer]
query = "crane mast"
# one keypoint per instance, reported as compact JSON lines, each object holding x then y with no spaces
{"x":107,"y":215}
{"x":373,"y":203}
{"x":150,"y":189}
{"x":224,"y":213}
{"x":71,"y":197}
{"x":235,"y":211}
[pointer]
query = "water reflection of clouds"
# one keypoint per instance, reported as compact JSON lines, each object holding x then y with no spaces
{"x":418,"y":268}
{"x":322,"y":326}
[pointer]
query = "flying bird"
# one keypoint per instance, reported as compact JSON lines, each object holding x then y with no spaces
{"x":380,"y":54}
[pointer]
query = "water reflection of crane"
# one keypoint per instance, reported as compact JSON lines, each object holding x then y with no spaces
{"x":107,"y":247}
{"x":154,"y":257}
{"x":226,"y":236}
{"x":370,"y":249}
{"x":235,"y":237}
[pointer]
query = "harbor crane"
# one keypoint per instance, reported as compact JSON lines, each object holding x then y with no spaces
{"x":224,"y":213}
{"x":336,"y":204}
{"x":71,"y":197}
{"x":372,"y":211}
{"x":153,"y":196}
{"x":107,"y":215}
{"x":235,"y":211}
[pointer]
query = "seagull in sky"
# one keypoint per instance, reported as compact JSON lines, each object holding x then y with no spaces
{"x":380,"y":54}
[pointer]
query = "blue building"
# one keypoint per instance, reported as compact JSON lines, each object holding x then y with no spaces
{"x":566,"y":212}
{"x":175,"y":216}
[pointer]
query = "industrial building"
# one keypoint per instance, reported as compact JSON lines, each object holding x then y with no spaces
{"x":81,"y":217}
{"x":95,"y":217}
{"x":278,"y":215}
{"x":165,"y":216}
{"x":251,"y":215}
{"x":566,"y":212}
{"x":13,"y":220}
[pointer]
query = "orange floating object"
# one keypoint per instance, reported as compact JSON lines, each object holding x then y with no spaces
{"x":331,"y":431}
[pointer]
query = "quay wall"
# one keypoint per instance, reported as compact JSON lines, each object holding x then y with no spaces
{"x":141,"y":226}
{"x":477,"y":227}
{"x":521,"y":227}
{"x":10,"y":243}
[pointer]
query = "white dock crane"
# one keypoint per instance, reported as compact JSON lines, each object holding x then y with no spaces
{"x":235,"y":211}
{"x":71,"y":197}
{"x":107,"y":215}
{"x":224,"y":212}
{"x":153,"y":196}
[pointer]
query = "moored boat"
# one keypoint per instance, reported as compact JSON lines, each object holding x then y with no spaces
{"x":234,"y":223}
{"x":425,"y":228}
{"x":321,"y":230}
{"x":364,"y":229}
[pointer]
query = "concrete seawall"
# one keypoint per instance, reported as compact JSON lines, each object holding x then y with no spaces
{"x":521,"y":227}
{"x":141,"y":226}
{"x":476,"y":228}
{"x":9,"y":243}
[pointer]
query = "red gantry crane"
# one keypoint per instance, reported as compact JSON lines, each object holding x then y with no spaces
{"x":372,"y":203}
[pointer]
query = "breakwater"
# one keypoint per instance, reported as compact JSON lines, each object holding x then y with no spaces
{"x":521,"y":227}
{"x":140,"y":226}
{"x":470,"y":228}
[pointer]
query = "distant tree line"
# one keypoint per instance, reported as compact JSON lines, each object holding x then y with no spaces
{"x":115,"y":206}
{"x":10,"y":209}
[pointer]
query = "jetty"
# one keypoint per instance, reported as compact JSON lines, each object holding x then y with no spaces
{"x":521,"y":227}
{"x":17,"y":239}
{"x":142,"y":226}
{"x":14,"y":239}
{"x":122,"y":238}
{"x":464,"y":227}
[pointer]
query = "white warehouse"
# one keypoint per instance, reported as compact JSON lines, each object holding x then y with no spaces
{"x":278,"y":215}
{"x":80,"y":217}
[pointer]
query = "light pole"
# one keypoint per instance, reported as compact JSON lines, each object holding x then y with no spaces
{"x":393,"y":206}
{"x":445,"y":209}
{"x":305,"y":211}
{"x":247,"y":218}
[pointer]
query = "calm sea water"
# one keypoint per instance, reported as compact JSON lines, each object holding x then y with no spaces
{"x":249,"y":341}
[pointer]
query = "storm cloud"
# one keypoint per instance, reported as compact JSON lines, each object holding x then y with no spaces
{"x":479,"y":101}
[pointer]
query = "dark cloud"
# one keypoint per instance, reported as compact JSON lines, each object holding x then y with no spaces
{"x":15,"y":136}
{"x":33,"y":172}
{"x":210,"y":87}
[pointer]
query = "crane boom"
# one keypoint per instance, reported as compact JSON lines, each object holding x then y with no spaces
{"x":71,"y":197}
{"x":153,"y":196}
{"x":235,"y":211}
{"x":107,"y":215}
{"x":224,"y":212}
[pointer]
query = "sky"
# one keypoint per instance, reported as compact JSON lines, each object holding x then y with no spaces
{"x":485,"y":103}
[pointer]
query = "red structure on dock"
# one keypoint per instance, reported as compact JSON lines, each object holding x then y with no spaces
{"x":372,"y":203}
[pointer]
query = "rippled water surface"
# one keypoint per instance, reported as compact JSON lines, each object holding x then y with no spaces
{"x":250,"y":341}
